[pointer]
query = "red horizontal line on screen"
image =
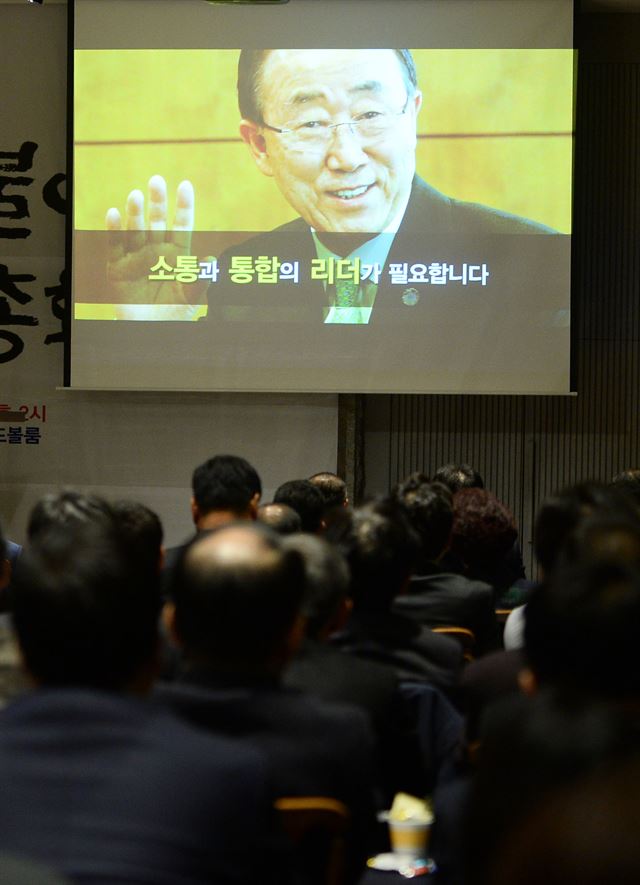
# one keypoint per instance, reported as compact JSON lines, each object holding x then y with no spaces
{"x":118,"y":143}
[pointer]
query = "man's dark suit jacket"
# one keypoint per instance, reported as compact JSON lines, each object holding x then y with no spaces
{"x":429,"y":214}
{"x":330,"y":674}
{"x":415,"y":726}
{"x":415,"y":652}
{"x":442,"y":599}
{"x":105,"y":788}
{"x":312,"y":748}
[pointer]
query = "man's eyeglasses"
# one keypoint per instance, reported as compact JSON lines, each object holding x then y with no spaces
{"x":317,"y":134}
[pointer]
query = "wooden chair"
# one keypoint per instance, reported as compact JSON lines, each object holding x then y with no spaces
{"x":317,"y":828}
{"x":465,"y":637}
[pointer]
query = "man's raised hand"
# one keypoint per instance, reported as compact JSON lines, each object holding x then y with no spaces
{"x":136,"y":244}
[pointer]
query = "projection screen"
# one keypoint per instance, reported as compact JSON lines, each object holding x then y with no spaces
{"x":284,"y":198}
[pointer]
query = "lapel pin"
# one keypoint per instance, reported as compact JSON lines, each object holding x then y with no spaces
{"x":410,"y":297}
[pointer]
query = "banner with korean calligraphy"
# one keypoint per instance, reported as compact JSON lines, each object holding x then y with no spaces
{"x":142,"y":445}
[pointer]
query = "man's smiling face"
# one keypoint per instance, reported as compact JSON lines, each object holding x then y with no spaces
{"x":351,"y":183}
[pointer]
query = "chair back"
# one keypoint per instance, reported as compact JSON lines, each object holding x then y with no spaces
{"x":23,"y":871}
{"x":316,"y":827}
{"x":465,"y":637}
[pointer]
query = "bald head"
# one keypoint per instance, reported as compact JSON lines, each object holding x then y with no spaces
{"x":332,"y":488}
{"x":237,"y":595}
{"x":281,"y":518}
{"x":236,"y":547}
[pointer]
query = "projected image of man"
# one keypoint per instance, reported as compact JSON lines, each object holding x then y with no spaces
{"x":336,"y":130}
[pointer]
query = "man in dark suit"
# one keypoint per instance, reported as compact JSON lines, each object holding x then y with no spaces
{"x":407,"y":759}
{"x":225,"y":488}
{"x":237,"y":595}
{"x":96,"y":782}
{"x":320,"y":668}
{"x":381,"y":549}
{"x":336,"y":130}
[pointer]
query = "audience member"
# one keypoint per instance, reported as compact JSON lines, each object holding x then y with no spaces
{"x":323,"y":670}
{"x":583,"y":833}
{"x":381,"y":549}
{"x":332,"y":488}
{"x":458,"y":476}
{"x":12,"y":679}
{"x":533,"y":754}
{"x":281,"y":518}
{"x":12,"y":552}
{"x":225,"y":489}
{"x":560,"y":515}
{"x":436,"y":597}
{"x":8,"y":563}
{"x":142,"y":533}
{"x":306,"y":499}
{"x":628,"y":482}
{"x":557,"y":528}
{"x":581,"y":630}
{"x":511,"y":568}
{"x":68,"y":509}
{"x":94,"y":781}
{"x":237,"y":594}
{"x":309,"y":667}
{"x":483,"y":536}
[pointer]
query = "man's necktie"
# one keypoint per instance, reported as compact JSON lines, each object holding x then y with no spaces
{"x":346,"y":292}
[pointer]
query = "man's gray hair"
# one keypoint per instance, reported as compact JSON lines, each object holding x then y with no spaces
{"x":250,"y":67}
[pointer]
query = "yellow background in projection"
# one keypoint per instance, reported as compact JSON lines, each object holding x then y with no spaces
{"x":508,"y":114}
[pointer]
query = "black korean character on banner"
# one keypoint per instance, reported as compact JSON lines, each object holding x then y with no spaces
{"x":23,"y":158}
{"x":21,"y":161}
{"x":8,"y":285}
{"x":52,"y":196}
{"x":14,"y":342}
{"x":58,"y":296}
{"x":7,"y":318}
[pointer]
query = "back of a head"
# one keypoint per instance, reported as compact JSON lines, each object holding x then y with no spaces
{"x":305,"y":499}
{"x":141,"y":532}
{"x":628,"y":482}
{"x":380,"y":547}
{"x":483,"y":528}
{"x":326,"y":580}
{"x":561,"y":515}
{"x":67,"y":508}
{"x":529,"y":755}
{"x":430,"y":510}
{"x":582,"y":629}
{"x":225,"y":482}
{"x":600,"y":537}
{"x":458,"y":476}
{"x":585,"y":833}
{"x":81,"y":618}
{"x":332,"y":488}
{"x":281,"y":518}
{"x":237,"y":593}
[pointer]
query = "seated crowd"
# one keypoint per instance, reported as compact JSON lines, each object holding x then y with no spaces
{"x":162,"y":708}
